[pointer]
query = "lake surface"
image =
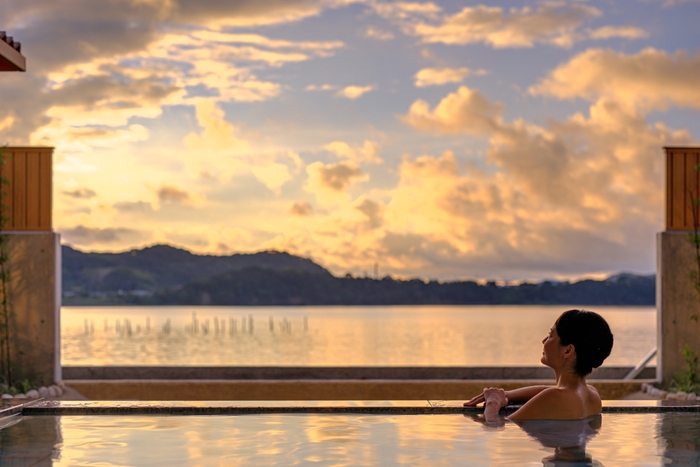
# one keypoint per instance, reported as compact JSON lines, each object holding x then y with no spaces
{"x":332,"y":336}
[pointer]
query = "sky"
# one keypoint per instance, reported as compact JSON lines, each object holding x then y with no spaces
{"x":511,"y":140}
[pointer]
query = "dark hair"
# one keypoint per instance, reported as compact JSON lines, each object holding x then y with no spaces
{"x":590,"y":335}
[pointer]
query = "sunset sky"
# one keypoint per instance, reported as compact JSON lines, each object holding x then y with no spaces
{"x":509,"y":140}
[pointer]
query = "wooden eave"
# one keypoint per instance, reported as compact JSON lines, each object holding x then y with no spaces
{"x":10,"y":59}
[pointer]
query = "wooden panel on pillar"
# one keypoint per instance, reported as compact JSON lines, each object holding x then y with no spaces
{"x":27,"y":201}
{"x":682,"y":187}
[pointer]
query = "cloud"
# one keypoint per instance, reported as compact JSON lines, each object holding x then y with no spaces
{"x":373,"y":211}
{"x":272,"y":174}
{"x":332,"y":180}
{"x":321,"y":87}
{"x":223,"y":68}
{"x":465,"y":111}
{"x":80,"y":193}
{"x":627,"y":32}
{"x":554,"y":23}
{"x":406,"y":10}
{"x":301,"y":208}
{"x":650,"y":79}
{"x":108,"y":98}
{"x":316,"y":46}
{"x":372,"y":32}
{"x":88,"y":236}
{"x":217,"y":151}
{"x":73,"y":164}
{"x":246,"y":13}
{"x":570,"y":195}
{"x":369,"y":152}
{"x":440,"y":76}
{"x":7,"y":122}
{"x":670,"y":3}
{"x":131,"y":58}
{"x":173,"y":195}
{"x":353,"y":92}
{"x":187,"y":239}
{"x":133,"y":207}
{"x":84,"y":139}
{"x":168,"y":194}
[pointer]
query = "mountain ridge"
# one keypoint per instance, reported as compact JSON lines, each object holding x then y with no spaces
{"x":166,"y":275}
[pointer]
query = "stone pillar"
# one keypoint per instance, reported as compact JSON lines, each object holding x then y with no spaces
{"x":34,"y":291}
{"x":676,"y":300}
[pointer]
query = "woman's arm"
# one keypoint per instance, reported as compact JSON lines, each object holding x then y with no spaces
{"x":524,"y":394}
{"x":515,"y":395}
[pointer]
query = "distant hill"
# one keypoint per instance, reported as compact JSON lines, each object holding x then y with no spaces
{"x":257,"y":286}
{"x":163,"y":275}
{"x":160,"y":267}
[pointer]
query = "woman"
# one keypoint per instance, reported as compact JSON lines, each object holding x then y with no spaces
{"x":578,"y":342}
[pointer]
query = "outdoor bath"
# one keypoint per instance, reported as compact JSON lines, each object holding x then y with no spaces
{"x":340,"y":433}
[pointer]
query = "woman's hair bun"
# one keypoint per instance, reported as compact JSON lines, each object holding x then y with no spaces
{"x":590,"y":335}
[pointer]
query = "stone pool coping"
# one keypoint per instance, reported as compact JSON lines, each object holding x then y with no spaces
{"x":42,"y":407}
{"x":317,"y":389}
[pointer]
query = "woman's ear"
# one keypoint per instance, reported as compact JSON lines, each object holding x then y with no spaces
{"x":569,"y":351}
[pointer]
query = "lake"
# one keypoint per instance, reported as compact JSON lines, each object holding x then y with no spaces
{"x":332,"y":336}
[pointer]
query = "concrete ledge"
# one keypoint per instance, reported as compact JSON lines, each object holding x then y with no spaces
{"x":267,"y":390}
{"x":56,"y":408}
{"x":331,"y":373}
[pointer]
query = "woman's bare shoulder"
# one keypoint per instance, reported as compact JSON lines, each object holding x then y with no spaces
{"x":593,"y":402}
{"x":551,"y":404}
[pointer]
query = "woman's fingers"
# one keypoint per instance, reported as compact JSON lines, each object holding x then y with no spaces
{"x":478,"y":399}
{"x":488,"y":394}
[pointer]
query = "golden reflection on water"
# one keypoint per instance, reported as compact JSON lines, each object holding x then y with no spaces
{"x":332,"y":336}
{"x":352,"y":440}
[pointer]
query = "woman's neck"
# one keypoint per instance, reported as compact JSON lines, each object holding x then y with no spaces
{"x":567,"y":378}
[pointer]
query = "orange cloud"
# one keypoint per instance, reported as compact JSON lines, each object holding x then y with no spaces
{"x":372,"y":32}
{"x":440,"y":76}
{"x":465,"y":111}
{"x":554,"y":24}
{"x":627,"y":32}
{"x":216,"y":150}
{"x":172,"y":195}
{"x":353,"y":92}
{"x":369,"y":152}
{"x":650,"y":79}
{"x":169,"y":194}
{"x":330,"y":182}
{"x":301,"y":208}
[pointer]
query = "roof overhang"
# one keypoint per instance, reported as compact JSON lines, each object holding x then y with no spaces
{"x":11,"y":59}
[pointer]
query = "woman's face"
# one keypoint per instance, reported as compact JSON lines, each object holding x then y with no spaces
{"x":552,"y":351}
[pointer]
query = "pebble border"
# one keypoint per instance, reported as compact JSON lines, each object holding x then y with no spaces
{"x":661,"y":394}
{"x":52,"y":392}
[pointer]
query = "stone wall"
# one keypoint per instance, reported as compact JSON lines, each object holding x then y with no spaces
{"x":677,"y":301}
{"x":34,"y":265}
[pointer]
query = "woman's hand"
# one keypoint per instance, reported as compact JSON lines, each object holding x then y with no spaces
{"x":488,"y":392}
{"x":476,"y":400}
{"x":495,"y":397}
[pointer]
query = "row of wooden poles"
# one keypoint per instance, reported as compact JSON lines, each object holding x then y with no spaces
{"x":216,"y":326}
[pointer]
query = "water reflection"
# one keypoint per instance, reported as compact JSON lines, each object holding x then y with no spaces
{"x":363,"y":440}
{"x":680,"y":437}
{"x":568,"y":438}
{"x":37,"y":443}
